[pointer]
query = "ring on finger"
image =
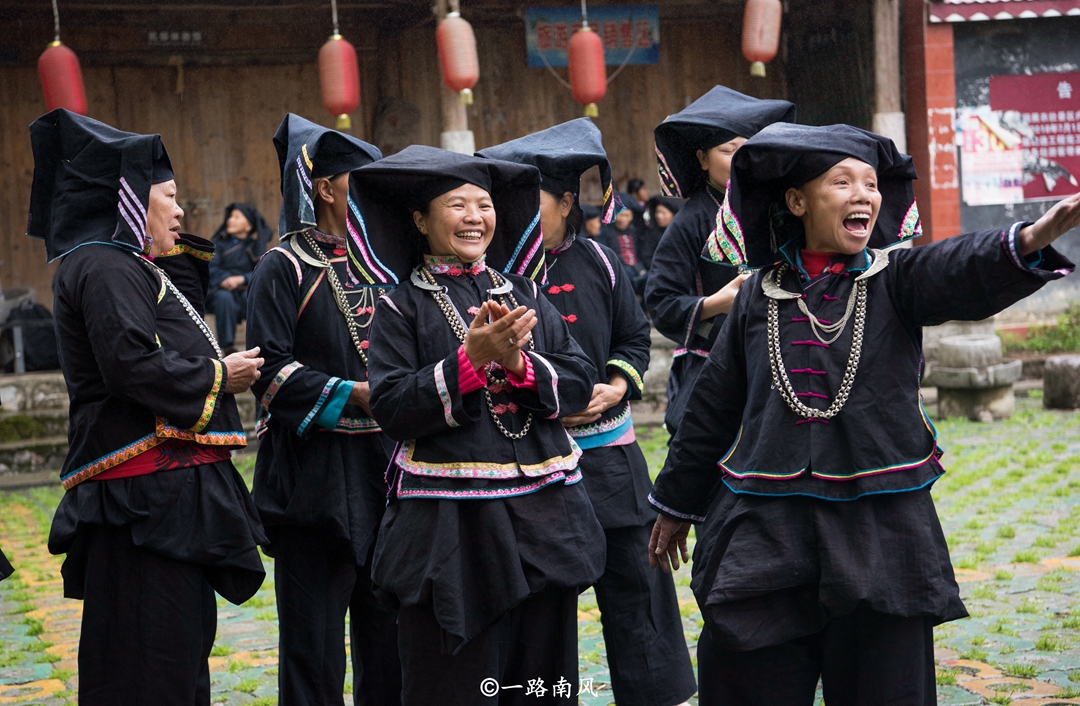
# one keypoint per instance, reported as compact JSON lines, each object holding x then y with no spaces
{"x":512,"y":341}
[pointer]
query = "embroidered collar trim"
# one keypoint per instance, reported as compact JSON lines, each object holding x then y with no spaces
{"x":335,"y":240}
{"x":452,"y":265}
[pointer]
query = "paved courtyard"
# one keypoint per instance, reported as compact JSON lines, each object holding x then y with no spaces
{"x":1010,"y":505}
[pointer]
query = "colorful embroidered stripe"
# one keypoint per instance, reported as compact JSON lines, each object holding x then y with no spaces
{"x":603,"y":257}
{"x":185,"y":249}
{"x":668,"y":182}
{"x":73,"y":478}
{"x":211,"y":399}
{"x":277,"y":382}
{"x":521,"y":243}
{"x":603,"y":426}
{"x":494,"y":493}
{"x":674,"y":513}
{"x":355,"y":425}
{"x":554,"y":381}
{"x":407,"y":462}
{"x":210,"y":438}
{"x":444,"y":396}
{"x":630,"y":371}
{"x":767,"y":475}
{"x":310,"y":292}
{"x":620,"y":435}
{"x":692,"y":321}
{"x":307,"y":159}
{"x":133,"y":212}
{"x":161,"y":292}
{"x":318,"y":405}
{"x":874,"y":471}
{"x":911,"y":226}
{"x":365,"y":245}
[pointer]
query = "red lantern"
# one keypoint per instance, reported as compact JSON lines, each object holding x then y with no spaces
{"x":61,"y":79}
{"x":339,"y":79}
{"x":457,"y":55}
{"x":588,"y":74}
{"x":761,"y":33}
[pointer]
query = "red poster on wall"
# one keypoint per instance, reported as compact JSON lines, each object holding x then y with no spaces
{"x":1044,"y":111}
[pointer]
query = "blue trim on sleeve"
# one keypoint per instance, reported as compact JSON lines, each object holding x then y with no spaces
{"x":330,"y":385}
{"x":331,"y":413}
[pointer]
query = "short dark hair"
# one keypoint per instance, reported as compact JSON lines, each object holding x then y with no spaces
{"x":634,"y":185}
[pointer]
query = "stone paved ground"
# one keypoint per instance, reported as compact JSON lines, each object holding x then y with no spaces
{"x":1010,"y":505}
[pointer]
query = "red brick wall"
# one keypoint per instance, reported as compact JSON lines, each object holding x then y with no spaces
{"x":931,"y":115}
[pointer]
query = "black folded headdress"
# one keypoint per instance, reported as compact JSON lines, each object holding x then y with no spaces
{"x":562,"y":153}
{"x":91,"y":183}
{"x":753,"y":222}
{"x":717,"y":117}
{"x":307,"y":152}
{"x":388,"y":191}
{"x":258,"y":223}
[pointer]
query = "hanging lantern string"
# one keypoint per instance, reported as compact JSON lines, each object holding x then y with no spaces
{"x":585,"y":23}
{"x":56,"y":21}
{"x":333,"y":11}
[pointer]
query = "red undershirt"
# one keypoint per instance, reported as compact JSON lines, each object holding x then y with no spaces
{"x":815,"y":262}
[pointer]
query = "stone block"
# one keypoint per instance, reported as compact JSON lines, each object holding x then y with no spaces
{"x":970,"y":378}
{"x":977,"y":404}
{"x":969,"y":351}
{"x":1061,"y":382}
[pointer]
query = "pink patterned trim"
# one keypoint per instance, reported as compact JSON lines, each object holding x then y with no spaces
{"x":406,"y":461}
{"x":277,"y":382}
{"x":628,"y":438}
{"x":607,"y":263}
{"x":497,"y":493}
{"x":700,"y":352}
{"x":390,"y":303}
{"x":444,"y":396}
{"x":293,"y":260}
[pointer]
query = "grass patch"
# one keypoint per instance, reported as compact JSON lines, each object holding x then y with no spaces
{"x":1005,"y":532}
{"x":1023,"y":671}
{"x":1050,"y":643}
{"x":1026,"y":556}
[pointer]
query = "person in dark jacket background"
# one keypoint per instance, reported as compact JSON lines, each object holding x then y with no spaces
{"x":239,"y":242}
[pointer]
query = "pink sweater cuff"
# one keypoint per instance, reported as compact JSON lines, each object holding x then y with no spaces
{"x":469,"y":379}
{"x":529,"y":381}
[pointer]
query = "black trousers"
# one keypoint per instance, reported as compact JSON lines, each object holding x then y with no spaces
{"x":148,"y":625}
{"x":317,"y":581}
{"x":863,"y":659}
{"x":643,"y":632}
{"x":528,"y":656}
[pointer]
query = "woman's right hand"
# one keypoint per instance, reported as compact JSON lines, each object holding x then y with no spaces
{"x":242,"y":370}
{"x":503,"y":338}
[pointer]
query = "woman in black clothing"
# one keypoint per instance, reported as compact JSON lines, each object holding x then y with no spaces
{"x":804,"y":453}
{"x":686,"y":296}
{"x":646,"y":649}
{"x":661,"y":210}
{"x":239,"y":242}
{"x":155,"y":518}
{"x":488,"y":536}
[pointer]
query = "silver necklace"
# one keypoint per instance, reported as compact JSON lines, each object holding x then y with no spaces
{"x":199,"y":321}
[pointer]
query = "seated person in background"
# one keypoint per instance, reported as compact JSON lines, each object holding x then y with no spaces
{"x":658,"y":212}
{"x":239,"y":242}
{"x":592,"y":221}
{"x":620,"y":236}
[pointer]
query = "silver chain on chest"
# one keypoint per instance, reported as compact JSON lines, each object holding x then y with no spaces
{"x":367,"y":297}
{"x":454,"y":319}
{"x":199,"y":320}
{"x":856,"y":300}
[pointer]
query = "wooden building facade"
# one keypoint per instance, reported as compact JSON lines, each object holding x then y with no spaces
{"x":216,"y":102}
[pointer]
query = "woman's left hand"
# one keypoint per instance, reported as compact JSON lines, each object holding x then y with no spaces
{"x":1063,"y":217}
{"x":230,"y":284}
{"x":604,"y":397}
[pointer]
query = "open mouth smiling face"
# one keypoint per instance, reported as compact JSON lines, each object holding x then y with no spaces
{"x":839,"y":208}
{"x":460,"y":222}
